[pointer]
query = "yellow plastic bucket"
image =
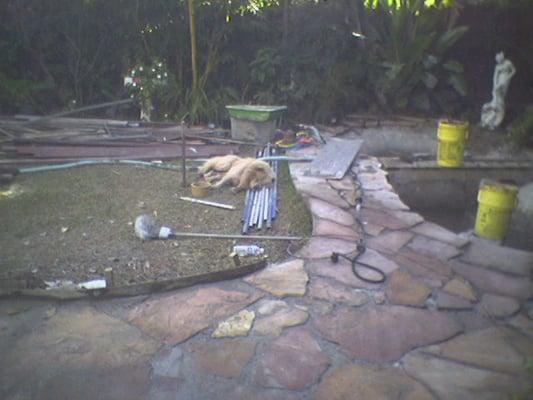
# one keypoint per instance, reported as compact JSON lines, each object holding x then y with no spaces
{"x":496,"y":204}
{"x":452,"y":136}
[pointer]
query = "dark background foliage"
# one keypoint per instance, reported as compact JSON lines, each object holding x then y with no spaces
{"x":404,"y":57}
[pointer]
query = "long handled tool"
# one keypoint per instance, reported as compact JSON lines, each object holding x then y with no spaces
{"x":146,"y":228}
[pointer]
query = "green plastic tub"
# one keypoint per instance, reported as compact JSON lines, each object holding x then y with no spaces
{"x":255,"y":113}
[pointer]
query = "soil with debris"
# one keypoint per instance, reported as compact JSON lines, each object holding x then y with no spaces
{"x":73,"y":224}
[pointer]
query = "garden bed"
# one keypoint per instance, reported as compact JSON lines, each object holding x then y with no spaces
{"x":73,"y":224}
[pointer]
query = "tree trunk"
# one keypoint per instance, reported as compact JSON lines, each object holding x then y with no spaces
{"x":194,"y":46}
{"x":286,"y":10}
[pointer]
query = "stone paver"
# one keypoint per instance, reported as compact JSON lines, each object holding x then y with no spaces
{"x":431,"y":247}
{"x":367,"y":382}
{"x":385,"y":333}
{"x":436,"y":272}
{"x":341,"y":271}
{"x":226,"y":358}
{"x":393,"y":219}
{"x":523,"y":323}
{"x":318,"y":247}
{"x":174,"y":318}
{"x":277,"y":316}
{"x":452,"y":381}
{"x":286,"y":279}
{"x":293,"y":361}
{"x":446,"y":301}
{"x":344,"y":184}
{"x":461,"y":288}
{"x":496,"y":282}
{"x":330,"y":212}
{"x":237,"y":325}
{"x":403,"y":289}
{"x":490,"y":348}
{"x":389,"y":242}
{"x":485,"y":253}
{"x":383,"y":199}
{"x":321,"y":190}
{"x":374,"y":181}
{"x":77,"y":353}
{"x":248,"y":393}
{"x":166,"y":362}
{"x":335,"y":293}
{"x":324,"y":227}
{"x":437,"y":232}
{"x":377,"y":260}
{"x":498,"y":306}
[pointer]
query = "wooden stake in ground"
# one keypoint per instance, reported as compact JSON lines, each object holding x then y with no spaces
{"x":184,"y":174}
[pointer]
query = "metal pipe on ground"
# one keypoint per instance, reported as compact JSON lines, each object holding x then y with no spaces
{"x":146,"y":228}
{"x":254,"y":209}
{"x":248,"y":209}
{"x":246,"y":198}
{"x":262,"y":202}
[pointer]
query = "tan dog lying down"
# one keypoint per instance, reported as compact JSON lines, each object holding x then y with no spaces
{"x":241,"y":173}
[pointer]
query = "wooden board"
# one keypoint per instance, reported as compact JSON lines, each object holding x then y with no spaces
{"x":335,"y":158}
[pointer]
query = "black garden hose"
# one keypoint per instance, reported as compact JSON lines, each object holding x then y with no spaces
{"x":335,"y":258}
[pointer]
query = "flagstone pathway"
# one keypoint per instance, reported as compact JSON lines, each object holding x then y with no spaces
{"x":452,"y":320}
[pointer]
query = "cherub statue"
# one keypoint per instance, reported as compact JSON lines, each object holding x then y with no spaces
{"x":492,"y":113}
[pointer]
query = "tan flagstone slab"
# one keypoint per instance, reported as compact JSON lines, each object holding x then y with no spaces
{"x":490,"y":348}
{"x":336,"y":293}
{"x":325,"y":210}
{"x":322,"y":247}
{"x":353,"y":381}
{"x":226,"y":358}
{"x":285,"y":279}
{"x":390,"y":242}
{"x":498,"y":306}
{"x":452,"y":381}
{"x":405,"y":290}
{"x":176,"y":317}
{"x":293,"y":361}
{"x":384,"y":333}
{"x":431,"y":247}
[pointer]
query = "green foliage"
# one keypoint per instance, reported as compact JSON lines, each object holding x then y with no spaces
{"x":521,"y":131}
{"x":408,"y":46}
{"x":145,"y":80}
{"x":60,"y":51}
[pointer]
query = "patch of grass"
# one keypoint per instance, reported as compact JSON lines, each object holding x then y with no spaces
{"x":292,"y":203}
{"x":72,"y":224}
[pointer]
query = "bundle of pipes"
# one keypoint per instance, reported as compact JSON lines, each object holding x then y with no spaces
{"x":260,"y":206}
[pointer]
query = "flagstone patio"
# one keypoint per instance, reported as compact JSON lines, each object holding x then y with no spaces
{"x":451,"y":321}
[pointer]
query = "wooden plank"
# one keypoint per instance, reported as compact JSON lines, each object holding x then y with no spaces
{"x":335,"y":158}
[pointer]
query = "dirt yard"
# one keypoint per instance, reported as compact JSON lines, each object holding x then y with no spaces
{"x":73,"y":224}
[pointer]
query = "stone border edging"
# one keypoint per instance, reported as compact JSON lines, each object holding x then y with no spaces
{"x":138,"y":289}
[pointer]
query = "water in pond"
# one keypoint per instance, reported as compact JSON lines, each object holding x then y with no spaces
{"x":455,"y":220}
{"x":448,"y":197}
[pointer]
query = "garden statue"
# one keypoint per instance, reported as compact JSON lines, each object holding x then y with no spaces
{"x":492,"y":113}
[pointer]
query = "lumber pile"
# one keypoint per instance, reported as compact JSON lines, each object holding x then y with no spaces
{"x":53,"y":140}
